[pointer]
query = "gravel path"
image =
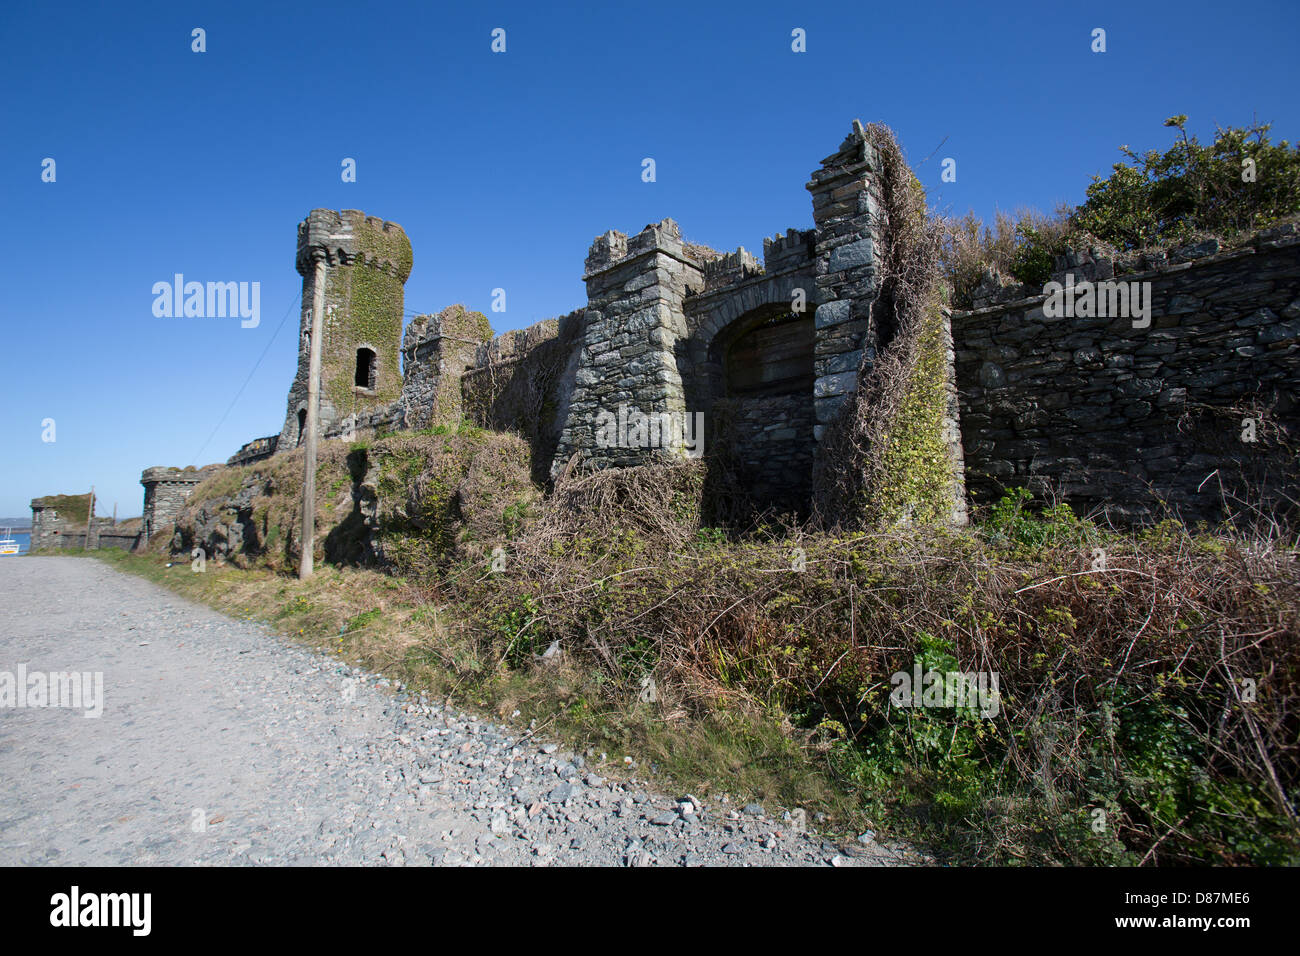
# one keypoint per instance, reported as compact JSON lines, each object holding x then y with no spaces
{"x":221,"y":742}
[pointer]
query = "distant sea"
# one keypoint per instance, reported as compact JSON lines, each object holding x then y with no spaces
{"x":24,"y":539}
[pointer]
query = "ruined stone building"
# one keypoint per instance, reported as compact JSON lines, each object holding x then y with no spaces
{"x":765,"y":351}
{"x":63,"y":521}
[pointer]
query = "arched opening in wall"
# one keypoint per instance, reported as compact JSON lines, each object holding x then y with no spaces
{"x":761,"y":417}
{"x":302,"y":424}
{"x":768,"y":352}
{"x":365,"y":375}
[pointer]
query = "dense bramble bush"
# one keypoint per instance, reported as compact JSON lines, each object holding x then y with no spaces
{"x":1123,"y":733}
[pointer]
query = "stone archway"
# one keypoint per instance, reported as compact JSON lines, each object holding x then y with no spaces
{"x":752,"y":357}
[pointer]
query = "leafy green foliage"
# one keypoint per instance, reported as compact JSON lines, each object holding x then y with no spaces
{"x":1191,"y":188}
{"x":1156,"y":199}
{"x":1012,"y":523}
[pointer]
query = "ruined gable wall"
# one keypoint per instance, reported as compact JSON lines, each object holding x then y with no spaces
{"x":437,"y":350}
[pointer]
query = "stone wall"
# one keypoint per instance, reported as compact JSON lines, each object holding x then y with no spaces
{"x":255,"y":450}
{"x":438,"y":349}
{"x":664,"y":318}
{"x":56,"y":517}
{"x":111,"y":537}
{"x":768,"y":442}
{"x":55,"y":529}
{"x":523,"y":381}
{"x":631,"y":328}
{"x":770,"y":351}
{"x":1118,"y":417}
{"x":849,"y":326}
{"x":165,"y":491}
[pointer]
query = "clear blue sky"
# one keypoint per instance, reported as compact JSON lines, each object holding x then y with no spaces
{"x":501,"y":167}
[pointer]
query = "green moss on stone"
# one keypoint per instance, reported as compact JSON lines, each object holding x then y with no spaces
{"x":74,"y":509}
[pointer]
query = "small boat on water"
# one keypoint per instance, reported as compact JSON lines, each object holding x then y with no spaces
{"x":8,"y":544}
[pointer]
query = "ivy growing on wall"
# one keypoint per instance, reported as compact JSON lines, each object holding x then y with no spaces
{"x":887,"y":458}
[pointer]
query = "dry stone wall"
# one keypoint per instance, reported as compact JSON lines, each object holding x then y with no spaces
{"x":1122,"y":418}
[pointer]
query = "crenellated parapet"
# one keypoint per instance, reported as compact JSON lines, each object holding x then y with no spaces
{"x":605,"y":251}
{"x":730,"y":268}
{"x":794,"y":250}
{"x":634,"y":320}
{"x":350,"y":237}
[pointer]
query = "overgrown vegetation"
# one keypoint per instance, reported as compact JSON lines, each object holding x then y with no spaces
{"x":884,"y":459}
{"x":413,"y":500}
{"x":1147,"y":707}
{"x":1227,"y":189}
{"x":74,"y":509}
{"x":1147,"y":681}
{"x":1151,"y":677}
{"x":1236,"y":184}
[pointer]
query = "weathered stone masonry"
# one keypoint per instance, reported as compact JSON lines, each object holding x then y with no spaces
{"x":631,"y":328}
{"x":765,"y":353}
{"x":59,"y":521}
{"x":367,"y":262}
{"x":1117,"y":417}
{"x":165,"y":491}
{"x":846,"y":209}
{"x":769,"y":352}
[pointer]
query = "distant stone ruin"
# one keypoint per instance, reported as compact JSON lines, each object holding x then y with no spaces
{"x":61,"y":522}
{"x":165,"y":491}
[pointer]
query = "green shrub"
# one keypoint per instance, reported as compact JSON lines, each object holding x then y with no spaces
{"x":1190,"y":189}
{"x":1158,"y":199}
{"x":1013,"y":524}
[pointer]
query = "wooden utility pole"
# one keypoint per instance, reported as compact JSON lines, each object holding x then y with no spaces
{"x":90,"y":516}
{"x":313,"y":416}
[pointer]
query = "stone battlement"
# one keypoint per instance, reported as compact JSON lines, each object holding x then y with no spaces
{"x":793,"y":249}
{"x":613,"y":249}
{"x":730,"y":268}
{"x":351,"y":237}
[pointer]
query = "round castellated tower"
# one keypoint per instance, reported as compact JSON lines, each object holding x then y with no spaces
{"x":367,"y":261}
